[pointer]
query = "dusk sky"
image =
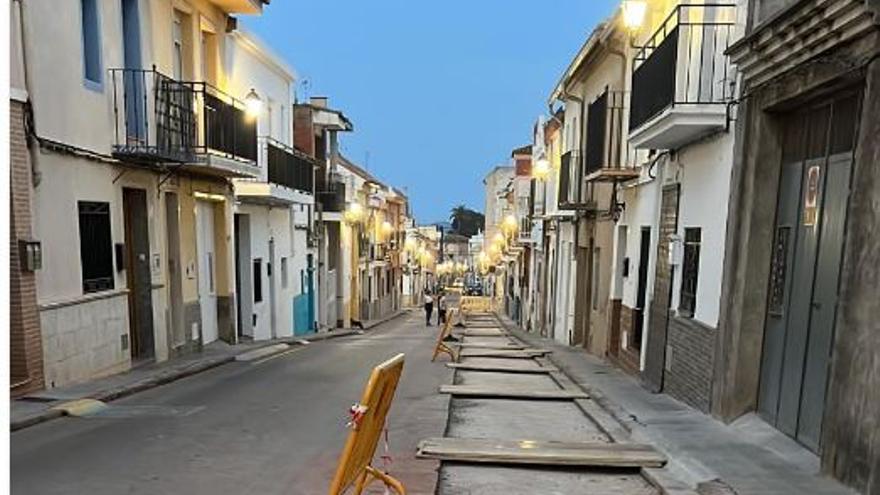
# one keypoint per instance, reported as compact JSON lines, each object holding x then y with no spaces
{"x":439,"y":91}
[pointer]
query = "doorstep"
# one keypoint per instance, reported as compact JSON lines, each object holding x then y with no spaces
{"x":748,"y":456}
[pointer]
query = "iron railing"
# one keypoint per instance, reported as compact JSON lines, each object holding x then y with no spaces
{"x":155,"y":118}
{"x":684,"y":62}
{"x":289,"y":167}
{"x":160,"y":119}
{"x":333,"y":198}
{"x":571,"y":175}
{"x":604,"y":144}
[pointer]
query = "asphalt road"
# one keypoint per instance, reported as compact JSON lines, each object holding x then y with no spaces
{"x":265,"y":427}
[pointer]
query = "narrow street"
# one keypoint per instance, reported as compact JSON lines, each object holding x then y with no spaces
{"x":649,"y":227}
{"x":273,"y":426}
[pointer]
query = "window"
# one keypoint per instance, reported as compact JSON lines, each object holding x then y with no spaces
{"x":284,"y":275}
{"x":689,"y":272}
{"x":258,"y":280}
{"x":91,"y":41}
{"x":177,"y":47}
{"x":95,"y":246}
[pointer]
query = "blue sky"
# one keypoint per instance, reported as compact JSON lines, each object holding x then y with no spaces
{"x":439,"y":91}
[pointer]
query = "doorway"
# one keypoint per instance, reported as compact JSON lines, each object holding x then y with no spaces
{"x":270,"y":274}
{"x":642,"y":289}
{"x":138,"y":274}
{"x":205,"y":247}
{"x":655,"y":347}
{"x":807,"y":250}
{"x":177,"y":335}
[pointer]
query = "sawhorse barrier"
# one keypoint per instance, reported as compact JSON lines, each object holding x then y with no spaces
{"x":445,"y":331}
{"x":367,"y":424}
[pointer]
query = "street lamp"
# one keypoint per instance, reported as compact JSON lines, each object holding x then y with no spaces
{"x":387,"y":228}
{"x":253,"y":104}
{"x":541,"y":169}
{"x":354,"y":212}
{"x":633,"y":13}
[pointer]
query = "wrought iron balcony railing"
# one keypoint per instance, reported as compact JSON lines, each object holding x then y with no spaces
{"x":289,"y":167}
{"x":684,"y":63}
{"x":333,"y":198}
{"x":604,"y":133}
{"x":160,"y":119}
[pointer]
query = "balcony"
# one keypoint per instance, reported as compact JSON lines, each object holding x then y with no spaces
{"x":240,"y":6}
{"x":604,"y":157}
{"x":682,"y":80}
{"x":572,"y":193}
{"x":159,"y":120}
{"x":332,"y":199}
{"x":290,"y":177}
{"x":524,"y":234}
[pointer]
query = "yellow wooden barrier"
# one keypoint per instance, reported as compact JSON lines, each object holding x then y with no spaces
{"x":354,"y":467}
{"x":445,"y":330}
{"x":476,"y":304}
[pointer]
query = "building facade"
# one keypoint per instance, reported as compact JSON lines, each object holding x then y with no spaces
{"x":129,"y":112}
{"x":797,"y":338}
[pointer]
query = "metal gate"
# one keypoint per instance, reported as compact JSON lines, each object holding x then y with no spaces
{"x":807,"y":248}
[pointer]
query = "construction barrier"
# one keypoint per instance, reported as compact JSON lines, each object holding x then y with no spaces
{"x":367,"y":424}
{"x":475,"y":304}
{"x":445,"y":330}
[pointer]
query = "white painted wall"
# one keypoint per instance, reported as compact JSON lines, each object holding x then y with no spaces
{"x":703,"y":170}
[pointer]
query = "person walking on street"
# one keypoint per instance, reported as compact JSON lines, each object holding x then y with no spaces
{"x":429,"y":307}
{"x":441,"y":308}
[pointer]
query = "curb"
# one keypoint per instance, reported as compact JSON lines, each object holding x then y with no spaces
{"x":376,"y":323}
{"x":174,"y":375}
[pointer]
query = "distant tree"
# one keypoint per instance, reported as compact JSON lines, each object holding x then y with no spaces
{"x":465,"y":221}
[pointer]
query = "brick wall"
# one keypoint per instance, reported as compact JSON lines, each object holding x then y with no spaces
{"x":689,"y":362}
{"x":303,"y":137}
{"x":26,"y":352}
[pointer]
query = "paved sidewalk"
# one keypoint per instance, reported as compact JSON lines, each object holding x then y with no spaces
{"x":38,"y":407}
{"x":746,"y":457}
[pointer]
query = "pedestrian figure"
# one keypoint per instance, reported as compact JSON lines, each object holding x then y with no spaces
{"x":429,"y":307}
{"x":441,"y":308}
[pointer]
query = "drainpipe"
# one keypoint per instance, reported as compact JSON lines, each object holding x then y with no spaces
{"x":36,"y":174}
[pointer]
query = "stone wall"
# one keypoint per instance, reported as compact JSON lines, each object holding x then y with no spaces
{"x":85,"y":339}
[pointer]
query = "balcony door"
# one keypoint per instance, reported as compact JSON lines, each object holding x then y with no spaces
{"x":134,"y":81}
{"x":805,"y":267}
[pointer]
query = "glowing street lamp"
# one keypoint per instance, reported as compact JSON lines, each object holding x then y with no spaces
{"x":633,"y":14}
{"x":253,"y":104}
{"x":410,"y":244}
{"x":510,"y":224}
{"x":541,"y":169}
{"x":354,"y":212}
{"x":387,"y":228}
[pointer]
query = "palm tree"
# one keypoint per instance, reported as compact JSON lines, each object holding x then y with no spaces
{"x":458,"y":216}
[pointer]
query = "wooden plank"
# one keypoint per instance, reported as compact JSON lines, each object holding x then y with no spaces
{"x":501,"y":345}
{"x":539,"y":452}
{"x":507,"y":368}
{"x":511,"y":392}
{"x":485,"y":332}
{"x":520,"y":354}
